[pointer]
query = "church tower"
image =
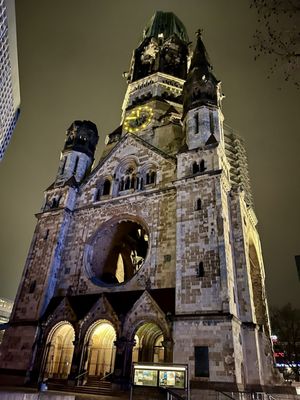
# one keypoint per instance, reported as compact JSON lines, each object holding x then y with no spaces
{"x":153,"y":255}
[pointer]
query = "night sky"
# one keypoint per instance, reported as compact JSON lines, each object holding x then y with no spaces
{"x":72,"y":54}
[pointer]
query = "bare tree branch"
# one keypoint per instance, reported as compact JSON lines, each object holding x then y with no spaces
{"x":278,"y":36}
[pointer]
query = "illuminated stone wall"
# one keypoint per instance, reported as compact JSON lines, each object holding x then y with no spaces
{"x":6,"y":307}
{"x":159,"y":241}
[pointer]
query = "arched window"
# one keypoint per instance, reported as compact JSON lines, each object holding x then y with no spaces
{"x":103,"y":189}
{"x":106,"y":187}
{"x":198,"y":204}
{"x":129,"y":180}
{"x":127,"y":183}
{"x":195,"y":167}
{"x":150,"y":177}
{"x":202,"y":166}
{"x":200,"y":270}
{"x":55,"y":202}
{"x":121,"y":185}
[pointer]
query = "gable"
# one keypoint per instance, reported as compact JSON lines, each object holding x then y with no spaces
{"x":134,"y":157}
{"x":101,"y":309}
{"x":63,"y":312}
{"x":144,"y":310}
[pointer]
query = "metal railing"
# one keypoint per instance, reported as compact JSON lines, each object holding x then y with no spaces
{"x":83,"y":373}
{"x":105,"y":376}
{"x":173,"y":395}
{"x":244,"y":396}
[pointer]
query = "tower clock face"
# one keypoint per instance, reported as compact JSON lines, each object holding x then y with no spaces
{"x":138,"y":119}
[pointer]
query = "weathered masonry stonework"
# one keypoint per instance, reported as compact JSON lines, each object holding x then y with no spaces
{"x":153,"y":255}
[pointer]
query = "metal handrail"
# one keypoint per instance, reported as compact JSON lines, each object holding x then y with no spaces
{"x":249,"y":395}
{"x":171,"y":394}
{"x":104,"y":377}
{"x":225,"y":394}
{"x":83,"y":373}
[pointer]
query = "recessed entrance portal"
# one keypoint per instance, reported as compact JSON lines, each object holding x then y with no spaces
{"x":101,"y":349}
{"x":59,"y":351}
{"x":148,"y":344}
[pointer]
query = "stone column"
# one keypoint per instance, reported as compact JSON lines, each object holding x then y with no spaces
{"x":40,"y":363}
{"x":75,"y":367}
{"x":122,"y":370}
{"x":251,"y":355}
{"x":128,"y":359}
{"x":39,"y":358}
{"x":85,"y":350}
{"x":168,"y":347}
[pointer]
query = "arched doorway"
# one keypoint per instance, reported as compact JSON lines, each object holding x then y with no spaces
{"x":101,"y":349}
{"x":148,"y":344}
{"x":59,"y":351}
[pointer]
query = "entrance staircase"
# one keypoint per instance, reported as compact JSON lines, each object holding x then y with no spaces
{"x":94,"y":385}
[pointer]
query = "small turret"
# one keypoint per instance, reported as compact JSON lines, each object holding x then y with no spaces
{"x":78,"y":152}
{"x":201,"y":101}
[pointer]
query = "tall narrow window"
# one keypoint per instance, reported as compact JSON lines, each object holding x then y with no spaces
{"x":63,"y":165}
{"x":75,"y":165}
{"x":200,"y":270}
{"x":195,"y":167}
{"x":32,"y":286}
{"x":106,"y":187}
{"x":202,"y":166}
{"x":127,"y":183}
{"x":211,"y":122}
{"x":201,"y":361}
{"x":147,"y":178}
{"x":198,"y":205}
{"x":152,"y":177}
{"x":46,"y":234}
{"x":196,"y":123}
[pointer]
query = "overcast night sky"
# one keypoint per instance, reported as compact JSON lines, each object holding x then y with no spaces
{"x":72,"y":54}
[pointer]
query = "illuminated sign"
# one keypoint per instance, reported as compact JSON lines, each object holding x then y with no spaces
{"x":163,"y":375}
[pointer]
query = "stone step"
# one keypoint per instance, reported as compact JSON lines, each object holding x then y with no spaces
{"x":81,"y":389}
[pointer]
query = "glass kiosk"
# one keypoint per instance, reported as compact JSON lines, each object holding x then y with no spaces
{"x":168,"y":376}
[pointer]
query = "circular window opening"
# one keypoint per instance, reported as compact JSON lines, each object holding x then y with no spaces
{"x":117,"y":252}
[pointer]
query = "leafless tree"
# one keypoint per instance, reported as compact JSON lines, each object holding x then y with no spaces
{"x":278,"y":36}
{"x":285,"y":323}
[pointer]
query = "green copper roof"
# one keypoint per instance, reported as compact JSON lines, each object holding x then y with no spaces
{"x":165,"y":23}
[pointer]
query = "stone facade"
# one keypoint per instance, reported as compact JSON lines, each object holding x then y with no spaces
{"x":5,"y":311}
{"x":154,"y":254}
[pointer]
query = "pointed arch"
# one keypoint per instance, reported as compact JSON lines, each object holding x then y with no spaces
{"x":99,"y":349}
{"x":145,"y":310}
{"x":59,"y":350}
